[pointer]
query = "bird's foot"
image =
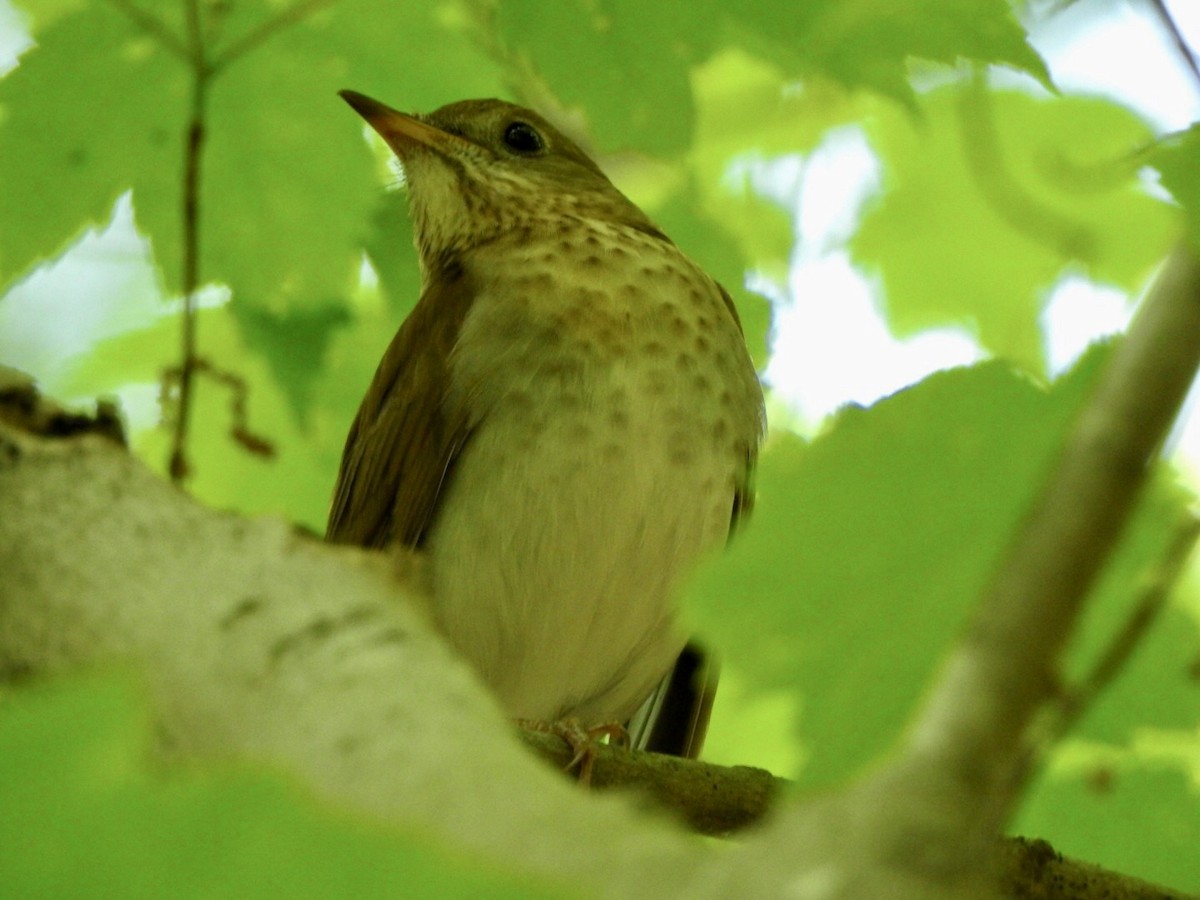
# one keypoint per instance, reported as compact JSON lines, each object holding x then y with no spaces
{"x":582,"y":741}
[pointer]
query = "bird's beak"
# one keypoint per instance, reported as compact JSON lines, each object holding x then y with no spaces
{"x":402,"y":132}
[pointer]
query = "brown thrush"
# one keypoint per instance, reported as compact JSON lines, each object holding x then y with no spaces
{"x":563,"y":425}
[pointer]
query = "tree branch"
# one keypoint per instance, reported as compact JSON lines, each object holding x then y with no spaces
{"x":260,"y":644}
{"x":1007,"y":666}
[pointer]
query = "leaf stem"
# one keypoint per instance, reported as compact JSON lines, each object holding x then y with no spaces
{"x":153,"y":26}
{"x":193,"y":152}
{"x":203,"y":69}
{"x":253,"y":38}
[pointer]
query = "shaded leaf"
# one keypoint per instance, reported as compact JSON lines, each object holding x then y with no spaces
{"x":1138,"y":821}
{"x":622,"y":62}
{"x":867,"y":43}
{"x":295,"y":346}
{"x":868,"y":547}
{"x":95,"y":108}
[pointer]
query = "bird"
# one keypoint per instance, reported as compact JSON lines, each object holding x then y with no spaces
{"x":564,"y":425}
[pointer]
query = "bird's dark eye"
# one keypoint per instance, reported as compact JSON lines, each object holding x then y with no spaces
{"x":523,"y":138}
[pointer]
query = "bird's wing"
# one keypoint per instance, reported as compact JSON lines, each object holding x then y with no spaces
{"x":405,"y":438}
{"x":674,"y":719}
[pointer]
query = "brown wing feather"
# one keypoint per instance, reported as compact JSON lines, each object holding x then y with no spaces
{"x":405,"y":438}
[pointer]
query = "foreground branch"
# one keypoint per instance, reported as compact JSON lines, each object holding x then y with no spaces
{"x":257,"y":643}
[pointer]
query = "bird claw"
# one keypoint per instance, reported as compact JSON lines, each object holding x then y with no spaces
{"x":582,"y":741}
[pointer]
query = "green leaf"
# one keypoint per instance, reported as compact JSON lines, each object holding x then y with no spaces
{"x":991,"y":197}
{"x":295,"y":346}
{"x":96,"y":108}
{"x":1178,"y":161}
{"x":43,"y":13}
{"x":745,"y":104}
{"x":868,"y":547}
{"x":867,"y":43}
{"x":416,"y":55}
{"x":1136,"y":818}
{"x":1156,"y":687}
{"x":86,"y":816}
{"x":624,"y":62}
{"x":287,"y":186}
{"x":390,"y":246}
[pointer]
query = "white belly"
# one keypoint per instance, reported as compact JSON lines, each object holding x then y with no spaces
{"x":554,"y":563}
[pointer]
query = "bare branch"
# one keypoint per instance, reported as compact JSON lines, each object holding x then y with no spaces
{"x":1181,"y":45}
{"x":976,"y":717}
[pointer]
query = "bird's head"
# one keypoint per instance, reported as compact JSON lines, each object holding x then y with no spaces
{"x":479,"y":169}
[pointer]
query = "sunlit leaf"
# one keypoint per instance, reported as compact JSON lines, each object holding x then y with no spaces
{"x":98,"y":107}
{"x":1141,"y":820}
{"x":1178,"y":161}
{"x":621,"y":61}
{"x":867,"y":43}
{"x":989,"y":198}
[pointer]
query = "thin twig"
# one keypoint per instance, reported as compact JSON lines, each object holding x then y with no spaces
{"x":1145,"y":612}
{"x":239,"y":393}
{"x":190,"y":281}
{"x":1076,"y":701}
{"x":243,"y":45}
{"x":1181,"y":45}
{"x":153,"y":26}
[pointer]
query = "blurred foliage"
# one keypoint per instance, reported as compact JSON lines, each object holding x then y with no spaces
{"x":865,"y":556}
{"x":1178,"y":161}
{"x":1045,"y":185}
{"x":86,"y":814}
{"x":869,"y":544}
